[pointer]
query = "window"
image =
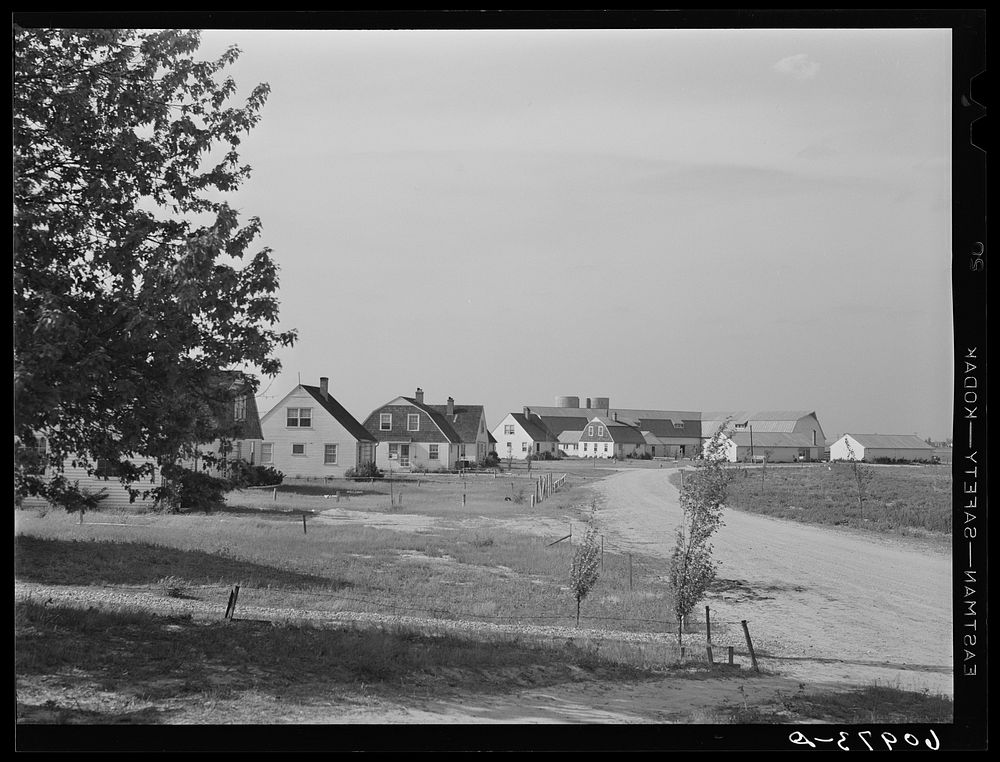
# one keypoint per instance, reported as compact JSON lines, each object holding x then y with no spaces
{"x":393,"y":451}
{"x":584,"y":446}
{"x":266,"y":453}
{"x":600,"y":431}
{"x":461,"y":452}
{"x":366,"y":452}
{"x":298,"y":449}
{"x":240,"y":408}
{"x":330,"y":454}
{"x":508,"y":428}
{"x":432,"y":451}
{"x":413,"y":422}
{"x":524,"y":446}
{"x":299,"y":417}
{"x":605,"y":447}
{"x":385,"y":422}
{"x":590,"y":431}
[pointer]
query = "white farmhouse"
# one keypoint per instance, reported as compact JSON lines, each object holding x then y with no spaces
{"x":522,"y":434}
{"x":309,"y":434}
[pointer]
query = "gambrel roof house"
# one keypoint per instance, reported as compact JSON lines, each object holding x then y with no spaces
{"x":309,"y":434}
{"x":604,"y":437}
{"x":431,"y":436}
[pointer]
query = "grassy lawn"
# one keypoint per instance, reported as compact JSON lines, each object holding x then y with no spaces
{"x":446,"y":570}
{"x":90,"y":666}
{"x":902,"y":499}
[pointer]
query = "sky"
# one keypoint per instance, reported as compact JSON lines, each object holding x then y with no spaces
{"x":674,"y":219}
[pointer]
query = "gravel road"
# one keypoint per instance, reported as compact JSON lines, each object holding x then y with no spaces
{"x":826,"y":605}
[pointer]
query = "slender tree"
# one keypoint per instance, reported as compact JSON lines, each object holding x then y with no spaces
{"x":585,"y":567}
{"x":702,"y":499}
{"x":134,"y":282}
{"x":862,"y":474}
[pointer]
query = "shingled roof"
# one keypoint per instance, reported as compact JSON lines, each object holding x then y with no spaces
{"x":462,"y":426}
{"x":340,"y":414}
{"x":535,"y":427}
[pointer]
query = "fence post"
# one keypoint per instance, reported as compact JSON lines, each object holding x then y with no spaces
{"x":708,"y":626}
{"x":338,"y":495}
{"x":730,"y":654}
{"x":274,"y":494}
{"x":629,"y":571}
{"x":753,"y":656}
{"x":602,"y":552}
{"x":304,"y":523}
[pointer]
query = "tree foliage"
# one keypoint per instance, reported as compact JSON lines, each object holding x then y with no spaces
{"x":134,"y":281}
{"x":583,"y":572}
{"x":702,"y":499}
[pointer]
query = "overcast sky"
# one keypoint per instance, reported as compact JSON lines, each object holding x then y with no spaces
{"x":677,"y":219}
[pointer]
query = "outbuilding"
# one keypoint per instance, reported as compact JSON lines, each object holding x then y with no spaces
{"x":881,"y":447}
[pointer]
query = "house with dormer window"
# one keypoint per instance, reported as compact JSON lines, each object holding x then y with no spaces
{"x":309,"y":434}
{"x":413,"y":433}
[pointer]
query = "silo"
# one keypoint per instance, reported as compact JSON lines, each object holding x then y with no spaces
{"x":601,"y":403}
{"x":567,"y":402}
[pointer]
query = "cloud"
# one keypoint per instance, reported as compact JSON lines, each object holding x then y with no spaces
{"x":798,"y":66}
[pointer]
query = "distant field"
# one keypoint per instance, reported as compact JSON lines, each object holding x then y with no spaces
{"x":900,"y":499}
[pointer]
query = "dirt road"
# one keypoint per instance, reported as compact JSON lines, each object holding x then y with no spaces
{"x":825,"y":605}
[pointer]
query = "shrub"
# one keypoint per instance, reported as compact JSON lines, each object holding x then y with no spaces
{"x":187,"y":490}
{"x":242,"y":474}
{"x":365,"y":471}
{"x":492,"y":460}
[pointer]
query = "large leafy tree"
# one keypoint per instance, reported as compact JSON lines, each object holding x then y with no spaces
{"x":134,"y":282}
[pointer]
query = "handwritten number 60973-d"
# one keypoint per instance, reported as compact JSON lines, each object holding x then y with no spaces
{"x":843,"y":740}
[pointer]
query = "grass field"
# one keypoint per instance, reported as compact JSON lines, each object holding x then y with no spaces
{"x":470,"y":560}
{"x":903,"y":499}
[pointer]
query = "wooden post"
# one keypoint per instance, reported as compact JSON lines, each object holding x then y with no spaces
{"x":274,"y":494}
{"x":753,"y":656}
{"x":708,"y":650}
{"x":730,"y":654}
{"x":401,"y":497}
{"x":229,"y":605}
{"x":602,"y":552}
{"x":463,"y":499}
{"x":338,"y":495}
{"x":236,"y":597}
{"x":531,"y":498}
{"x":629,"y":571}
{"x":708,"y":626}
{"x":304,"y":523}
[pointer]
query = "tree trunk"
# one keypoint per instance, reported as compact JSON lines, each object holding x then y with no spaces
{"x":577,"y":612}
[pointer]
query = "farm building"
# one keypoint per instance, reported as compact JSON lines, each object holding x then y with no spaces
{"x":676,"y":432}
{"x":417,"y":434}
{"x":569,"y":442}
{"x":608,"y":438}
{"x":769,"y":422}
{"x":309,"y":434}
{"x":767,"y":446}
{"x":522,"y":434}
{"x":871,"y":447}
{"x":229,"y":409}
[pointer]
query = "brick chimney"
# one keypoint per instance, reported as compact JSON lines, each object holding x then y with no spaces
{"x":451,"y":406}
{"x":616,"y":416}
{"x":419,"y":395}
{"x":527,"y":411}
{"x":324,"y":387}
